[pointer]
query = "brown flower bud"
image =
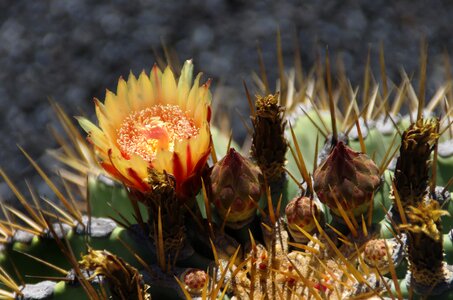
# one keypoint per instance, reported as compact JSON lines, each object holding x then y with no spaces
{"x":349,"y":177}
{"x":236,"y":186}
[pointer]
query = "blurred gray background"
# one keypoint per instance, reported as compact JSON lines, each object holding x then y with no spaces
{"x":72,"y":50}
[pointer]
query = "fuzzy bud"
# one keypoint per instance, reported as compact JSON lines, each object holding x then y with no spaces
{"x":299,"y":213}
{"x":194,"y":280}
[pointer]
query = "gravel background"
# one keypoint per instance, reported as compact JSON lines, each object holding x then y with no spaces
{"x":72,"y":50}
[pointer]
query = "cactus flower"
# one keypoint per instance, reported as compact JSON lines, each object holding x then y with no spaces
{"x":299,"y":213}
{"x":154,"y":122}
{"x":349,"y":177}
{"x":236,"y":185}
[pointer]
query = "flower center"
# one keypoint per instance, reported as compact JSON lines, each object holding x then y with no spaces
{"x":153,"y":129}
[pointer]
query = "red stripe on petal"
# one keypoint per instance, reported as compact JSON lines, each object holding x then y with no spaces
{"x":143,"y":186}
{"x":202,"y":161}
{"x":110,"y":169}
{"x":189,"y":159}
{"x":209,"y":114}
{"x":158,"y":86}
{"x":192,"y":182}
{"x":125,"y":155}
{"x":121,"y":177}
{"x":178,"y":169}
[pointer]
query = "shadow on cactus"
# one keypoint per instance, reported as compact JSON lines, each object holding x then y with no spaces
{"x":334,"y":201}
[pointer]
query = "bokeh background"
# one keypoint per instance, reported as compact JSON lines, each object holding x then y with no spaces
{"x":72,"y":50}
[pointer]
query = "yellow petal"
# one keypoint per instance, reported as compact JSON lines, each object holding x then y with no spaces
{"x":132,"y":93}
{"x":169,"y":91}
{"x":156,"y":82}
{"x":145,"y":91}
{"x":190,"y":104}
{"x":104,"y":122}
{"x":186,"y":74}
{"x":201,"y":105}
{"x":163,"y":161}
{"x":117,"y":108}
{"x":96,"y":134}
{"x":121,"y":93}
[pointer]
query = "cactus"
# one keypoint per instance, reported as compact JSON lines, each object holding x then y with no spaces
{"x":160,"y":204}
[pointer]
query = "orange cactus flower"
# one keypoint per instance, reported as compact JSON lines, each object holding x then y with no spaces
{"x":155,"y":122}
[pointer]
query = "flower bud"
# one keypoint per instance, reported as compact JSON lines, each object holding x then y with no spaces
{"x":375,"y":255}
{"x":236,"y":186}
{"x":194,"y":280}
{"x":300,"y":212}
{"x":349,"y":177}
